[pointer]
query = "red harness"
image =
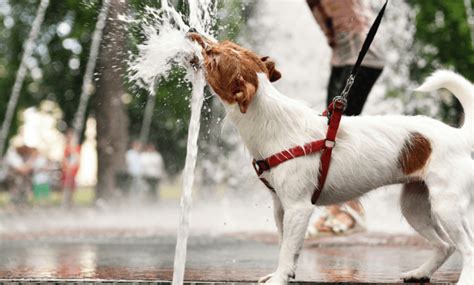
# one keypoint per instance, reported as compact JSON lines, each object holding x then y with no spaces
{"x":334,"y":113}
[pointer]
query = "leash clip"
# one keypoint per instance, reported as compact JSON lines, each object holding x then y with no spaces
{"x":340,"y":103}
{"x":348,"y":86}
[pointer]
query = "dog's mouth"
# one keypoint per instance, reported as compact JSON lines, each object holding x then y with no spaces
{"x":205,"y":43}
{"x":194,"y":61}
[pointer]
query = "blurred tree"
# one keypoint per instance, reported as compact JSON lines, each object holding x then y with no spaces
{"x":442,"y":39}
{"x":110,"y":112}
{"x":56,"y":68}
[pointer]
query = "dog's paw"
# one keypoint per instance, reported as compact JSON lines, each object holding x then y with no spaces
{"x":416,"y":276}
{"x":265,"y":278}
{"x":273,"y":278}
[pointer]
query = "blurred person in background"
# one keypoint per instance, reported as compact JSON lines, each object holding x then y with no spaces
{"x":153,"y":169}
{"x":345,"y":24}
{"x":41,"y":175}
{"x":19,"y":173}
{"x":134,"y":168}
{"x":69,"y":168}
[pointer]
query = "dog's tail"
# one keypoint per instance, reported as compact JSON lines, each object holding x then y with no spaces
{"x":461,"y":88}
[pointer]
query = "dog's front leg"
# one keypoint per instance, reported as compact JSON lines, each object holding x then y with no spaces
{"x":278,"y":214}
{"x":295,"y":222}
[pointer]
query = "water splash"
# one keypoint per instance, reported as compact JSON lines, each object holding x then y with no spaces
{"x":165,"y":45}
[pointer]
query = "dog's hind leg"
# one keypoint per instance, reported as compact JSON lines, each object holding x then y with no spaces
{"x":467,"y":227}
{"x":417,"y":210}
{"x":467,"y":220}
{"x":295,"y":222}
{"x":449,"y":205}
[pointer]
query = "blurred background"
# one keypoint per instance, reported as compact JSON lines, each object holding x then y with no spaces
{"x":111,"y":158}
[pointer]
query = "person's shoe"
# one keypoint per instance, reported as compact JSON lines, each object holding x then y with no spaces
{"x":345,"y":221}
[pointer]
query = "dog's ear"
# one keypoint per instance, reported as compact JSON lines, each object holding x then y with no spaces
{"x":244,"y":93}
{"x":273,"y":73}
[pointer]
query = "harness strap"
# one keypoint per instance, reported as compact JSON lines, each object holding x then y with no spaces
{"x":336,"y":108}
{"x":266,"y":183}
{"x":263,"y":165}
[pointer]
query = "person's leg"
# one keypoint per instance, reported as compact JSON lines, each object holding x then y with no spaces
{"x":25,"y":191}
{"x":365,"y":79}
{"x":129,"y":185}
{"x":355,"y":205}
{"x":67,"y":197}
{"x":156,"y":188}
{"x":14,"y":190}
{"x":152,"y":183}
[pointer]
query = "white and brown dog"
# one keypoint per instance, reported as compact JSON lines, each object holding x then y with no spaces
{"x":432,"y":160}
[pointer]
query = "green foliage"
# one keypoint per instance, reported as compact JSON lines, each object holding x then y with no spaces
{"x":62,"y":82}
{"x":442,"y":39}
{"x":58,"y":81}
{"x":442,"y":30}
{"x":233,"y":18}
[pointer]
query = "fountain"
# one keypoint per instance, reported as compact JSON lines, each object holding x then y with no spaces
{"x":166,"y":44}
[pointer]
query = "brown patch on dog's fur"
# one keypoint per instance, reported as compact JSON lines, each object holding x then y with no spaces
{"x":415,"y":153}
{"x":231,"y":70}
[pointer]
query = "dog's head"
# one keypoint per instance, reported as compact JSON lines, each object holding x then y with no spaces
{"x":231,"y":70}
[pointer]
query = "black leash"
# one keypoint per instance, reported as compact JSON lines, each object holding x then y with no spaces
{"x":365,"y":47}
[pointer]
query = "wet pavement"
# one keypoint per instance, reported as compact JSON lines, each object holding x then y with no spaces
{"x":361,"y":258}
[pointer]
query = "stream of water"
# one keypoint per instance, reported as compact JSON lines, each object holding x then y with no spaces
{"x":188,"y":177}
